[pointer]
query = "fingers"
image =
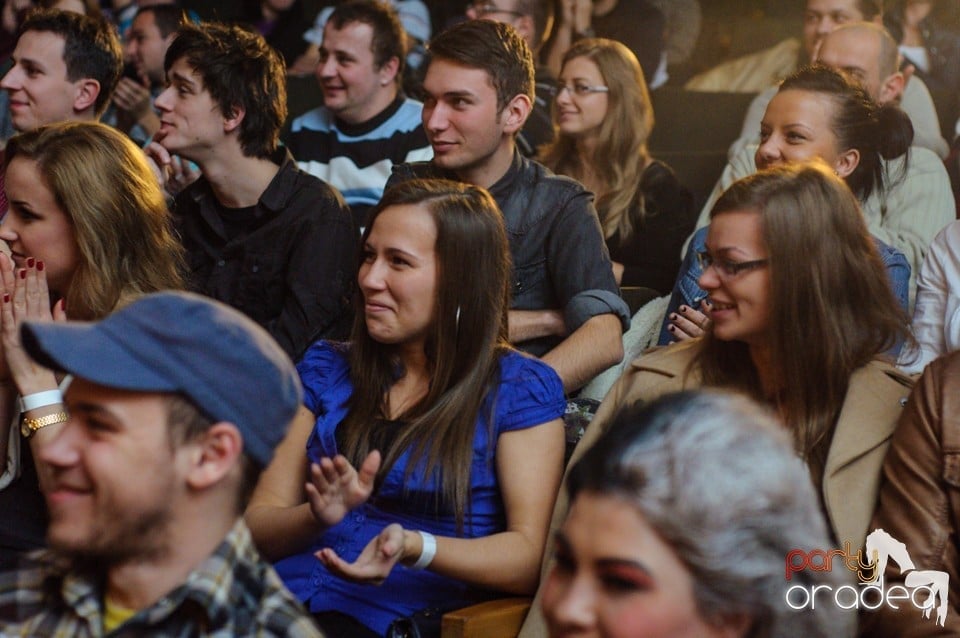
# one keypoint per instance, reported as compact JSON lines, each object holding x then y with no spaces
{"x":368,"y":470}
{"x":687,"y":323}
{"x":7,"y":273}
{"x":60,"y":310}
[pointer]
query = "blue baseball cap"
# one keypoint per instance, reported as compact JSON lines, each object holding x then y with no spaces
{"x":223,"y":362}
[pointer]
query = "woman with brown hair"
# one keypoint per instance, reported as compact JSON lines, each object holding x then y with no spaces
{"x":603,"y":118}
{"x":88,"y":231}
{"x":426,"y":423}
{"x":802,"y":308}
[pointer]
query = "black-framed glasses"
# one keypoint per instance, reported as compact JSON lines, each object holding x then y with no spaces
{"x":578,"y":89}
{"x":727,"y":268}
{"x":486,"y":8}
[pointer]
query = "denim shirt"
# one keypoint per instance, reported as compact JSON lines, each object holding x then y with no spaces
{"x":687,"y":292}
{"x":559,"y":258}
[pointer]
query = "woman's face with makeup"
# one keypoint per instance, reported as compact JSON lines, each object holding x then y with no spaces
{"x":615,"y":577}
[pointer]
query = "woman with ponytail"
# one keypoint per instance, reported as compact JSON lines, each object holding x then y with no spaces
{"x":820,"y":113}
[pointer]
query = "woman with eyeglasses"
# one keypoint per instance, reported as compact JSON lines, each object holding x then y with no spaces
{"x":802,"y":308}
{"x":818,"y":112}
{"x":603,"y":119}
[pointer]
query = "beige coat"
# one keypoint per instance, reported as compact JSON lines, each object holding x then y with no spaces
{"x":873,"y":404}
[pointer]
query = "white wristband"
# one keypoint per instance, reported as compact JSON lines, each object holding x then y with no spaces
{"x":40,"y":400}
{"x":428,"y":552}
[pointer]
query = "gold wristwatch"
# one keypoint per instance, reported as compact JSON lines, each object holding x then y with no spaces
{"x":29,"y":427}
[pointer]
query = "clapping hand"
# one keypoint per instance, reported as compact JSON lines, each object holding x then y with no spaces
{"x":335,"y":487}
{"x":374,"y":563}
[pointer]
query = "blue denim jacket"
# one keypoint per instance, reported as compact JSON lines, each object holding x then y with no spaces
{"x":687,"y":292}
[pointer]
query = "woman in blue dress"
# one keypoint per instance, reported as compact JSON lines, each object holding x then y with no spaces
{"x":433,"y":450}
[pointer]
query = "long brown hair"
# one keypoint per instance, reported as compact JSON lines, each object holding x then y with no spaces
{"x":832,"y":310}
{"x":463,"y":346}
{"x":121,"y":222}
{"x":621,"y":153}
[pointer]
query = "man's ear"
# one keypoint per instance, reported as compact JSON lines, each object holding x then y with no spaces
{"x":388,"y":71}
{"x":85,"y":97}
{"x":515,"y":113}
{"x":847,"y":162}
{"x":213,"y":454}
{"x":892,"y":88}
{"x":233,"y":118}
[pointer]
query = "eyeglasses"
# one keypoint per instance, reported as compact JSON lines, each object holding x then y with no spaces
{"x":486,"y":8}
{"x":578,"y":89}
{"x":726,"y":268}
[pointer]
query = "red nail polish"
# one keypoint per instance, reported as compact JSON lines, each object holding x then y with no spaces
{"x":23,"y":273}
{"x":30,"y":262}
{"x":40,"y":266}
{"x":671,"y":328}
{"x":6,"y":298}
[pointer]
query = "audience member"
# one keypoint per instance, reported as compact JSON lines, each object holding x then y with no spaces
{"x":910,"y":201}
{"x":761,"y":70}
{"x":415,"y":18}
{"x":932,"y":46}
{"x":533,"y":20}
{"x":65,"y":67}
{"x":365,"y":125}
{"x":83,"y":244}
{"x":800,"y":311}
{"x":638,"y":24}
{"x":818,"y":113}
{"x":690,"y":506}
{"x":566,"y":307}
{"x":604,"y":117}
{"x":150,"y":34}
{"x":919,"y":506}
{"x":260,"y":234}
{"x":868,"y":53}
{"x":175,"y":405}
{"x":936,"y":316}
{"x":426,"y":423}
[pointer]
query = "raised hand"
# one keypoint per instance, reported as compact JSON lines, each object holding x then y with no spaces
{"x":688,"y":323}
{"x":25,"y":296}
{"x":335,"y":487}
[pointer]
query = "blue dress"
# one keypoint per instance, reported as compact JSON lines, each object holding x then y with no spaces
{"x":530,"y":393}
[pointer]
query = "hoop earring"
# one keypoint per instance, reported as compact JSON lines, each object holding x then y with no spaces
{"x":457,"y":319}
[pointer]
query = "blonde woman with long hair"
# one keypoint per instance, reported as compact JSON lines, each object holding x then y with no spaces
{"x":603,"y":118}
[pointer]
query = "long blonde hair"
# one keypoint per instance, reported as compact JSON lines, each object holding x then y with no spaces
{"x":620,"y":155}
{"x":120,"y":220}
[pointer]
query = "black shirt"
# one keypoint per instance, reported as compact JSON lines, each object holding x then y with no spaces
{"x":291,"y":262}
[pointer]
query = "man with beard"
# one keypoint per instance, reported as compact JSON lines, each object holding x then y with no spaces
{"x":175,"y":406}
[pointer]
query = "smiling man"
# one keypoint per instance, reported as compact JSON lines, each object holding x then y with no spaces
{"x":175,"y":406}
{"x":260,"y":234}
{"x":65,"y":67}
{"x":365,"y":125}
{"x":566,"y":306}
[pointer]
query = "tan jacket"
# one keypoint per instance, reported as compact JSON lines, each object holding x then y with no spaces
{"x":866,"y":423}
{"x":920,"y":499}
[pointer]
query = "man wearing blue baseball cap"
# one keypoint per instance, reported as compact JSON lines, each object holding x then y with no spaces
{"x":175,"y":406}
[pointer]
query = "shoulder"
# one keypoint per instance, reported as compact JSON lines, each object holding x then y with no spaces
{"x":317,"y":119}
{"x":409,"y":112}
{"x":414,"y":170}
{"x":878,"y":392}
{"x":323,"y":368}
{"x":529,"y":392}
{"x":670,"y":361}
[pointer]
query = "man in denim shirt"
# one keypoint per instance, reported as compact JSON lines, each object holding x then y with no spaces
{"x":566,"y":305}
